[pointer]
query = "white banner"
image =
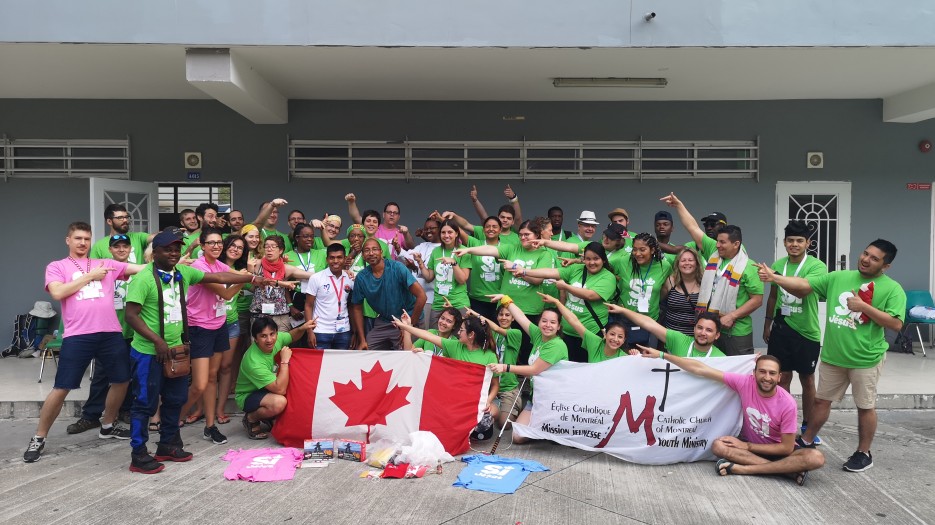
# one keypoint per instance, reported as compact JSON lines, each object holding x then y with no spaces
{"x":638,"y":409}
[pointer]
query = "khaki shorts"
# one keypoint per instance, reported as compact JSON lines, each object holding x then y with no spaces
{"x":506,"y":401}
{"x":834,"y":380}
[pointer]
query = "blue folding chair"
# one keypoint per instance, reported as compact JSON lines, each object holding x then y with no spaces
{"x":917,"y":298}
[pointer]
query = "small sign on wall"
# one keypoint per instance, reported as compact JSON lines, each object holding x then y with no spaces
{"x":920,"y":186}
{"x":194,"y":175}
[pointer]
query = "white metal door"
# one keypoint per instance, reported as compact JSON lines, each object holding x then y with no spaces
{"x":826,"y":209}
{"x":140,"y":198}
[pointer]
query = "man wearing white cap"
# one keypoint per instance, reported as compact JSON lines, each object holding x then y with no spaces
{"x":587,"y":225}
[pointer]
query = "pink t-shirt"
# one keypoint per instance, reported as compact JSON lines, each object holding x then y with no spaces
{"x":765,"y":419}
{"x":205,"y":308}
{"x":262,"y":464}
{"x":90,"y":310}
{"x":388,"y":235}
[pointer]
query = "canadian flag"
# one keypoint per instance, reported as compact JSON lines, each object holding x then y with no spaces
{"x":371,"y":395}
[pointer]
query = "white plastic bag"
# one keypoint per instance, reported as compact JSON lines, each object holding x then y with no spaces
{"x":426,"y":449}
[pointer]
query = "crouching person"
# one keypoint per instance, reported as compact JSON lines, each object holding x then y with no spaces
{"x":261,"y":389}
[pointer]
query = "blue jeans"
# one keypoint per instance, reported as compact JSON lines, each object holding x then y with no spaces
{"x":149,"y":386}
{"x":340,"y":341}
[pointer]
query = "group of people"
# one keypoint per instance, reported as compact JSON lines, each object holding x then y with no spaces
{"x":515,"y":295}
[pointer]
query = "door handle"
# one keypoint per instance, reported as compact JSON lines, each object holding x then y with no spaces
{"x":842,"y":264}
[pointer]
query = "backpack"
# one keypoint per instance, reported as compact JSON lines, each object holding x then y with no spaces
{"x":28,"y":331}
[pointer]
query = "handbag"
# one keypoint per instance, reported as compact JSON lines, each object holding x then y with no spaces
{"x":179,"y":361}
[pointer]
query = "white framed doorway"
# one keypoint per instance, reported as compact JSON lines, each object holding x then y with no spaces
{"x":826,"y":209}
{"x":140,"y":199}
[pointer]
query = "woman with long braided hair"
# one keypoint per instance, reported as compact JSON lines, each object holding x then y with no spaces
{"x":641,"y":281}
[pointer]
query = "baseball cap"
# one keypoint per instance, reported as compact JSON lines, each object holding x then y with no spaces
{"x":167,"y":237}
{"x":663,"y":216}
{"x":715,"y":216}
{"x":615,"y":231}
{"x":119,"y":238}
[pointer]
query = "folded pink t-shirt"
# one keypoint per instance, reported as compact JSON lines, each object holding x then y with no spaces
{"x":262,"y":464}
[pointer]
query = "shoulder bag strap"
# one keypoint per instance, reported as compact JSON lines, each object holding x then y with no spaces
{"x":587,"y":304}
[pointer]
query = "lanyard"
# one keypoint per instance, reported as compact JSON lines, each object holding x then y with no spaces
{"x":691,"y":347}
{"x":307,"y":263}
{"x":643,"y":277}
{"x":338,"y":290}
{"x":786,"y":296}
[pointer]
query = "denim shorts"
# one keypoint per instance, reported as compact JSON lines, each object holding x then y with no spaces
{"x":110,"y":350}
{"x":233,"y":330}
{"x":207,"y":342}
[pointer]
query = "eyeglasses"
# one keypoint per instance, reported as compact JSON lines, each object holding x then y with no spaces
{"x":391,"y":212}
{"x":120,"y":218}
{"x":213,"y":243}
{"x":235,"y":247}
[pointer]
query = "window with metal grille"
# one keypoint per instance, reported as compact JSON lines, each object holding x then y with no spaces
{"x":47,"y":158}
{"x":177,"y":196}
{"x":311,"y":159}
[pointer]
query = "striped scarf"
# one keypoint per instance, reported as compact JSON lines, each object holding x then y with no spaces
{"x":719,"y":289}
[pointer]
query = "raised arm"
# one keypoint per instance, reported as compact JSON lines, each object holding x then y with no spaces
{"x":59,"y":290}
{"x":463,"y":223}
{"x":643,"y":321}
{"x":797,"y":286}
{"x":352,"y":208}
{"x":493,"y":326}
{"x":567,"y":314}
{"x":266,"y":211}
{"x":488,"y":250}
{"x":296,"y":333}
{"x":478,"y":205}
{"x":518,"y":314}
{"x":688,"y":221}
{"x":514,"y":200}
{"x":404,"y":323}
{"x":559,"y":246}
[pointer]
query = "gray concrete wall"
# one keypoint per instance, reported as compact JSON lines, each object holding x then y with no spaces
{"x":878,"y":158}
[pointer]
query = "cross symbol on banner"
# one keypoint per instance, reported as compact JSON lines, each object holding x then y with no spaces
{"x":668,"y":370}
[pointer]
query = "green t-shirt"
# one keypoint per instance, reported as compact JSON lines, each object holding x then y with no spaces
{"x":848,"y":343}
{"x":803,"y":316}
{"x":232,"y":312}
{"x":445,"y":284}
{"x":750,"y":284}
{"x":457,"y":350}
{"x":551,"y":351}
{"x":187,"y":241}
{"x":594,"y":344}
{"x":507,"y":352}
{"x":256,"y":368}
{"x":681,"y":345}
{"x":523,"y":293}
{"x":509,"y":235}
{"x":312,"y":261}
{"x":120,"y":304}
{"x":429,"y":347}
{"x":486,"y":275}
{"x":646,"y":282}
{"x":101,"y":249}
{"x":244,"y":298}
{"x":603,"y":282}
{"x":142,"y":291}
{"x":264,"y":233}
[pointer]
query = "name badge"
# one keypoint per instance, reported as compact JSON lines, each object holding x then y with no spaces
{"x":175,"y":313}
{"x":118,"y":302}
{"x":642,"y":304}
{"x":785,"y":309}
{"x":268,"y":308}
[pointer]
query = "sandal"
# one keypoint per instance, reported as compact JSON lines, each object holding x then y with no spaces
{"x":192,"y":419}
{"x":801,"y":477}
{"x":724,"y":467}
{"x":254,"y":430}
{"x":154,"y":426}
{"x":222,"y":419}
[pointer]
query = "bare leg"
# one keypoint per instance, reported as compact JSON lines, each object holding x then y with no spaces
{"x":866,"y":428}
{"x":821,"y":409}
{"x":224,"y":378}
{"x":210,"y":393}
{"x":50,"y":410}
{"x":199,"y":383}
{"x":802,"y":460}
{"x":271,"y":406}
{"x":808,"y":396}
{"x":523,"y":419}
{"x":115,"y":396}
{"x":785,"y":380}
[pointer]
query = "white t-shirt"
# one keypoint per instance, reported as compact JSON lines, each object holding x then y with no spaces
{"x":425,"y":250}
{"x":331,"y":295}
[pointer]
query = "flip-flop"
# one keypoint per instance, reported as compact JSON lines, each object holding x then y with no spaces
{"x":192,"y":419}
{"x":801,"y":477}
{"x":724,"y":467}
{"x":223,"y":420}
{"x":154,"y":426}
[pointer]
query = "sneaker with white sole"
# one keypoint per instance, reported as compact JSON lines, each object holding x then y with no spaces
{"x":82,"y":425}
{"x":116,"y":432}
{"x":214,"y":435}
{"x":34,"y":450}
{"x":859,"y":462}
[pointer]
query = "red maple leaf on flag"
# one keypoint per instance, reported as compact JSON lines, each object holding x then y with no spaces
{"x":373,"y":401}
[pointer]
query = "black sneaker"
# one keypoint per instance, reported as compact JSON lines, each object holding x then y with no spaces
{"x":800,"y":443}
{"x":859,"y":462}
{"x":36,"y":444}
{"x":82,"y":425}
{"x":214,"y":435}
{"x":172,"y":453}
{"x":116,"y":431}
{"x":145,"y":464}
